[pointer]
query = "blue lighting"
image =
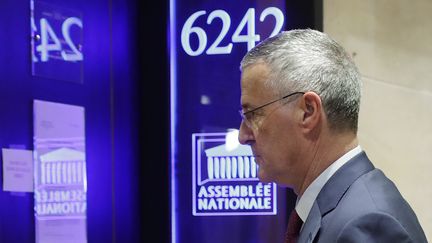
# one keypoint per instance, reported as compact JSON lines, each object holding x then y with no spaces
{"x":173,"y":108}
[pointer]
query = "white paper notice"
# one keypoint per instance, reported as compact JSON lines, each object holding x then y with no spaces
{"x":60,"y":173}
{"x":17,"y":170}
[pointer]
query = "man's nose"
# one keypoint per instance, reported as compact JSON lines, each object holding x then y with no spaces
{"x":245,"y":136}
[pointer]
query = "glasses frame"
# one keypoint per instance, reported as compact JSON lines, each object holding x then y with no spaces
{"x":244,"y":114}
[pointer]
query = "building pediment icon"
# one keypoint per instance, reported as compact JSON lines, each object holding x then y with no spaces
{"x":63,"y":154}
{"x":221,"y":150}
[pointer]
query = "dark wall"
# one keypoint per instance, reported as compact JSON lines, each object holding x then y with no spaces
{"x":304,"y":14}
{"x":154,"y":125}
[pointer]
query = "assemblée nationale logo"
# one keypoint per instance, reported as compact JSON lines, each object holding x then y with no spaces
{"x":224,"y":179}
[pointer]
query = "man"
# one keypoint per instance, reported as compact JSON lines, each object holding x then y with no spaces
{"x":300,"y":103}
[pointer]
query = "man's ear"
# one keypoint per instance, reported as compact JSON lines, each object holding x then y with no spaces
{"x":312,"y":111}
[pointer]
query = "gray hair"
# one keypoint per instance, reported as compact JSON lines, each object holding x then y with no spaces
{"x":309,"y":60}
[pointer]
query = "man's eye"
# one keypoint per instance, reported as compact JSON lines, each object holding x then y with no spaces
{"x":250,"y":115}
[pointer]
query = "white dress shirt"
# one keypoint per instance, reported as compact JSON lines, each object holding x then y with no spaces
{"x":305,"y":202}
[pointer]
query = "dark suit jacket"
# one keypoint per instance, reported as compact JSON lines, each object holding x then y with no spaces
{"x":360,"y":204}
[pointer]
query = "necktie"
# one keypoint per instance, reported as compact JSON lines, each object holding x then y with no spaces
{"x":293,"y":229}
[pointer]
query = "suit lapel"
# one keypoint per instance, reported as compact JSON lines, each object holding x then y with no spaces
{"x":332,"y":193}
{"x":339,"y":183}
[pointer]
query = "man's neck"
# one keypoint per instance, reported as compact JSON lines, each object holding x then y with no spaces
{"x":323,"y":154}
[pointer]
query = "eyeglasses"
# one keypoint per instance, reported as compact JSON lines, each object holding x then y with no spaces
{"x":248,"y":116}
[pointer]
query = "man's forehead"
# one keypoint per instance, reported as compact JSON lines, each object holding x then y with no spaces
{"x":255,"y":75}
{"x":253,"y":88}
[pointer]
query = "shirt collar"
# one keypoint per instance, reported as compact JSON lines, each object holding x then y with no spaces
{"x":305,"y":202}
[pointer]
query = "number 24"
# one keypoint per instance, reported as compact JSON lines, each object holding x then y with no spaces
{"x":47,"y":34}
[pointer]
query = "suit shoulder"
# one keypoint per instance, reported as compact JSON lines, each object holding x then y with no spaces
{"x":373,"y":204}
{"x":374,"y":227}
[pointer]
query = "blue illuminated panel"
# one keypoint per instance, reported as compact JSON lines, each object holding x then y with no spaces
{"x":216,"y":195}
